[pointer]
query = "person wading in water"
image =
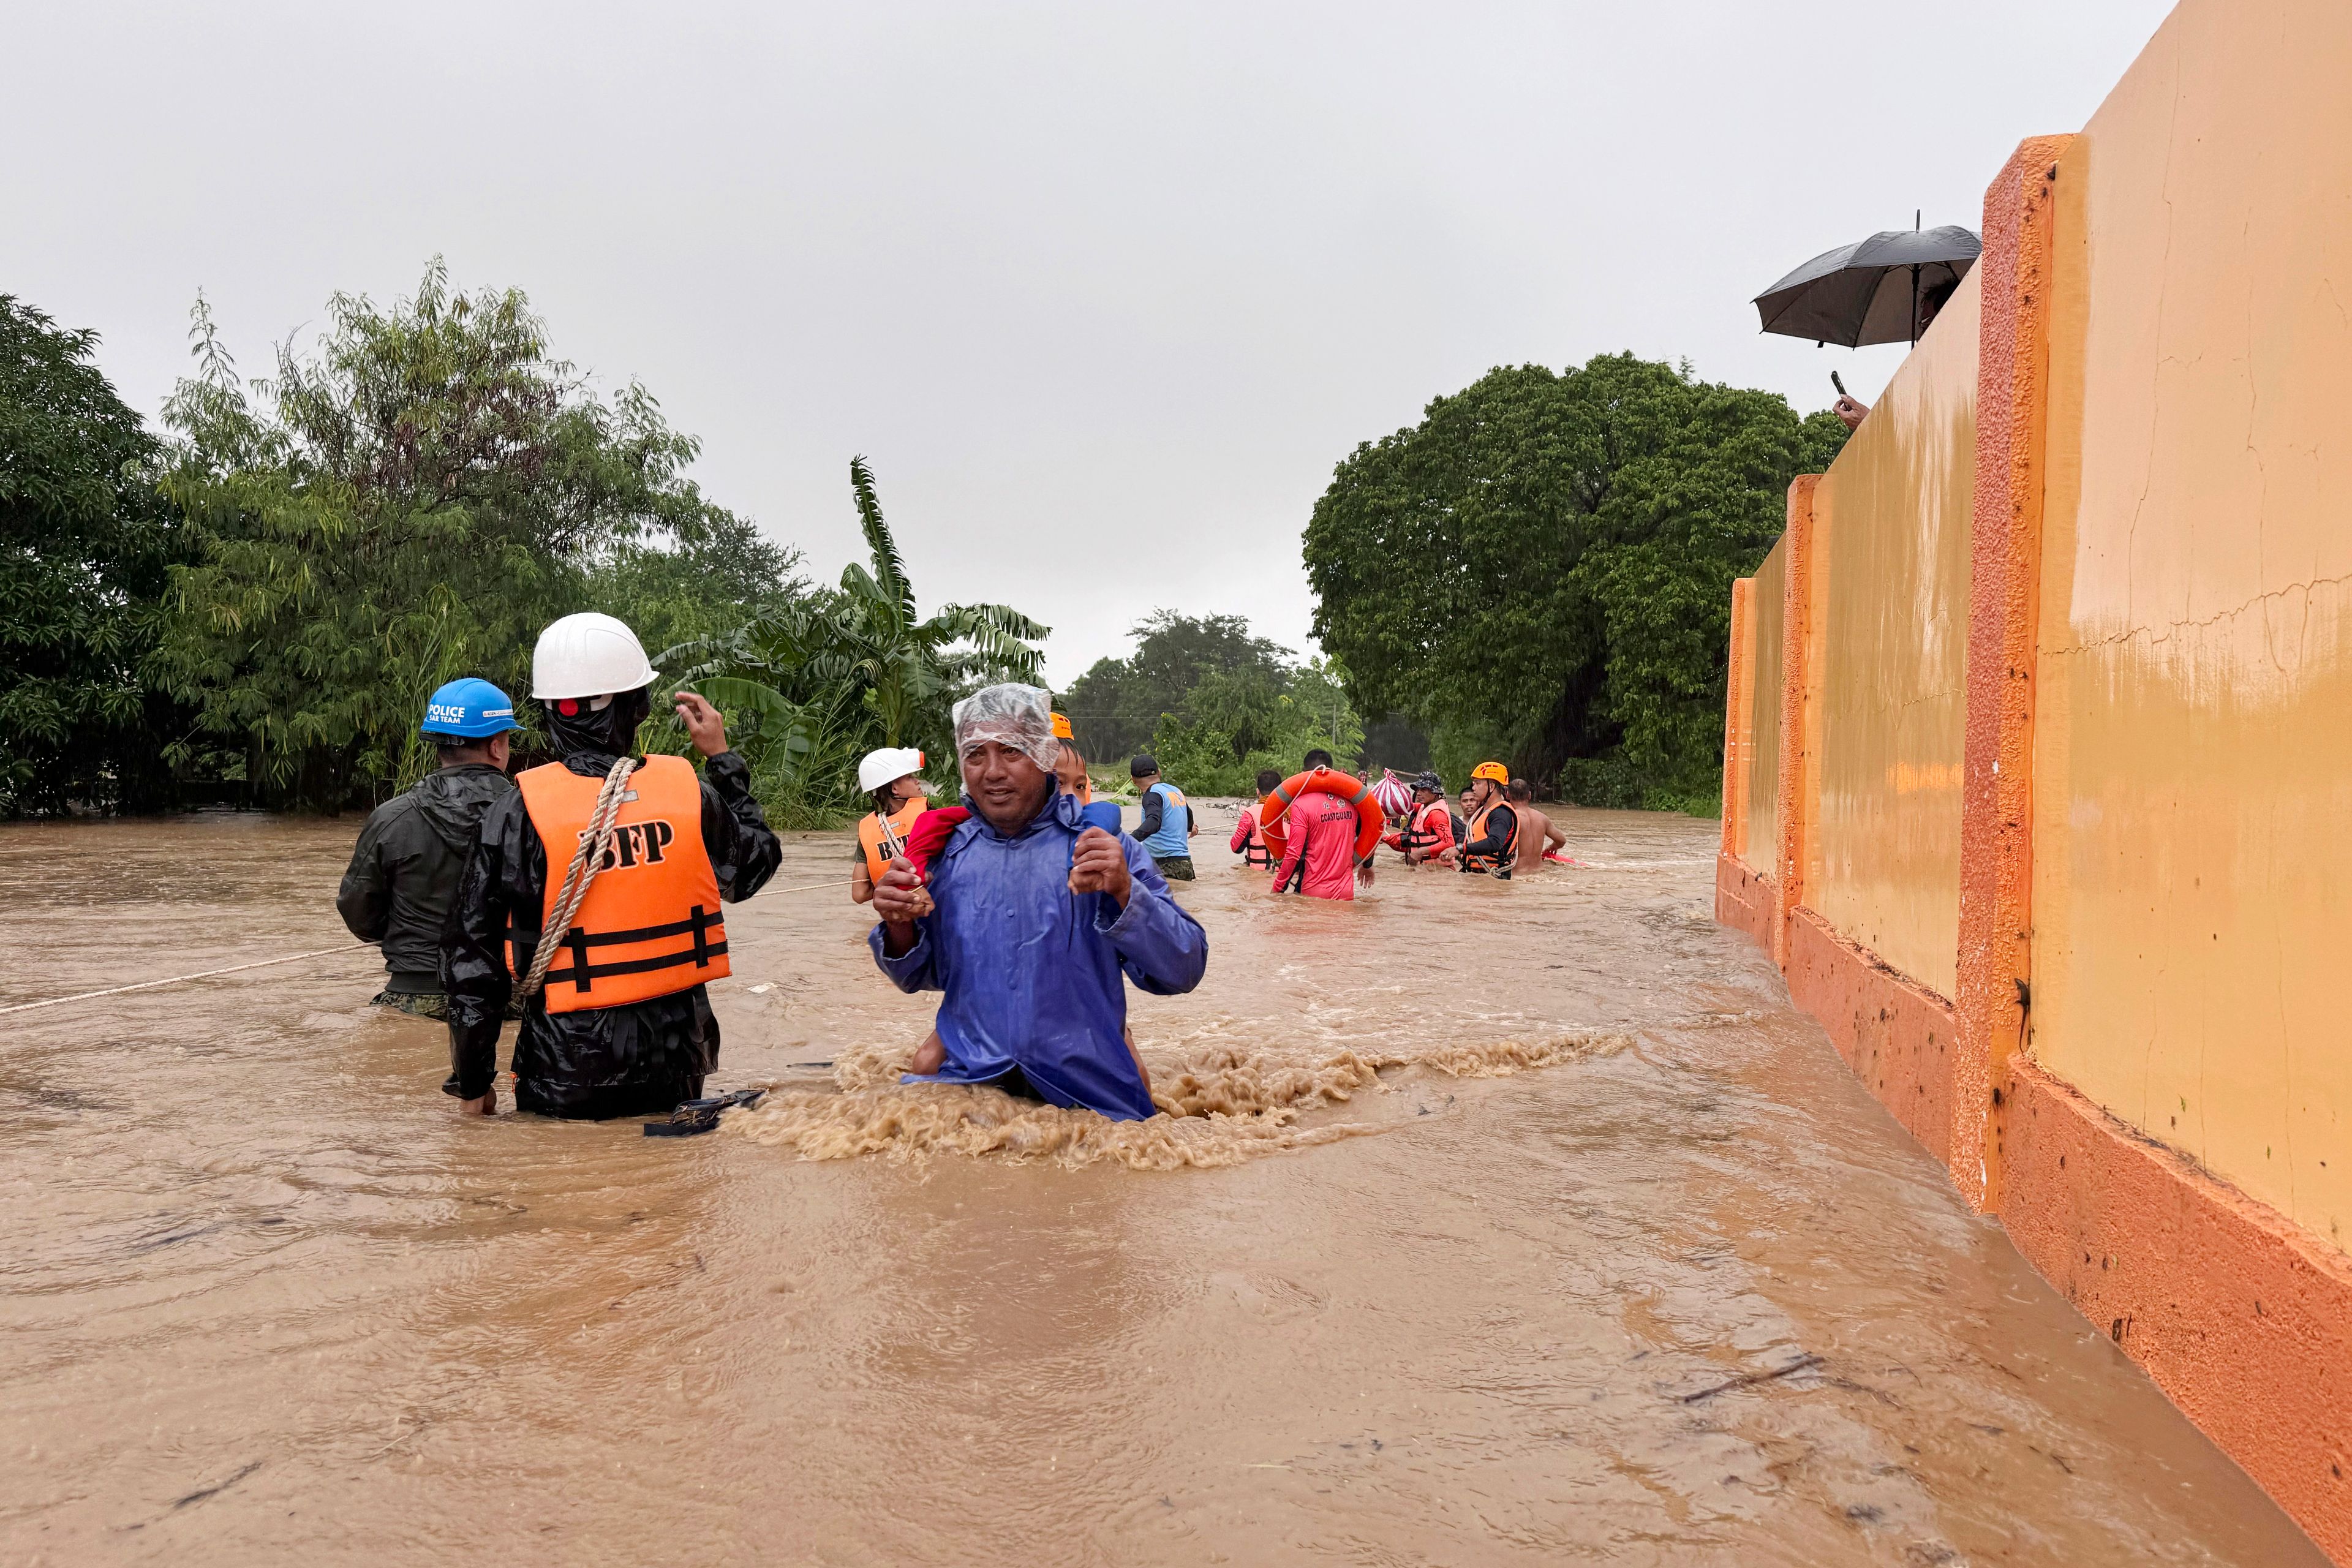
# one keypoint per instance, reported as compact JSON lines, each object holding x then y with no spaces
{"x":1249,"y":839}
{"x":887,"y":776}
{"x":1428,"y":830}
{"x":621,"y":1026}
{"x":411,"y":856}
{"x":1167,"y":826}
{"x":1537,"y":837}
{"x":1494,"y":827}
{"x":1033,"y":923}
{"x":1320,"y":860}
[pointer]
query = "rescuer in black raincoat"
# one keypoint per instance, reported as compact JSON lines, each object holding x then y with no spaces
{"x":411,"y":856}
{"x":625,"y":1060}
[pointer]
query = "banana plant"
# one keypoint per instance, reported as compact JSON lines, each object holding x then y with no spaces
{"x":858,"y":667}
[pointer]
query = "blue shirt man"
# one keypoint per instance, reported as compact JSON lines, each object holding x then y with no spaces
{"x":1166,"y":830}
{"x":1038,"y":920}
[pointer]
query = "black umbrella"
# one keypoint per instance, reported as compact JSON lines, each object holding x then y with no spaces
{"x":1872,"y":291}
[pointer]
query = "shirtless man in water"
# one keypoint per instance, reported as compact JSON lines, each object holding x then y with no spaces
{"x":1537,"y":837}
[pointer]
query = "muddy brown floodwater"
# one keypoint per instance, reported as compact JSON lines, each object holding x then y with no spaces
{"x":1517,"y":1203}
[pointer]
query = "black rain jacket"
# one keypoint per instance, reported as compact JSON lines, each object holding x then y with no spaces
{"x":405,"y":869}
{"x":629,"y":1060}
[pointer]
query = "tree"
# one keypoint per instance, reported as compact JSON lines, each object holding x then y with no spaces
{"x":410,"y":502}
{"x":1540,"y":569}
{"x":1214,"y":702}
{"x":1115,"y":706}
{"x":85,"y":544}
{"x":822,"y":679}
{"x":1232,"y":725}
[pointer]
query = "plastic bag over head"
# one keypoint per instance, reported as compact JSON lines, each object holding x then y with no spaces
{"x":1020,"y":717}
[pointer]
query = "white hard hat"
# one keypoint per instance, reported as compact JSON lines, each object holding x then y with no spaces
{"x":588,"y":655}
{"x":890,"y":762}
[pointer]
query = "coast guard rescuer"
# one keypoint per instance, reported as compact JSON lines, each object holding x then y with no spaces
{"x":621,"y":1026}
{"x":1427,"y":832}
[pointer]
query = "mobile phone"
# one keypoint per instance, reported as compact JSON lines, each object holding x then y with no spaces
{"x":1839,"y":381}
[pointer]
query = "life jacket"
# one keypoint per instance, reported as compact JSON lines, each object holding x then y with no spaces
{"x":869,"y":835}
{"x":1254,"y":849}
{"x":650,"y":925}
{"x":1419,"y":833}
{"x":1500,"y":864}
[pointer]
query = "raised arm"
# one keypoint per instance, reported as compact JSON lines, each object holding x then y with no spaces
{"x":901,"y":943}
{"x":744,"y":851}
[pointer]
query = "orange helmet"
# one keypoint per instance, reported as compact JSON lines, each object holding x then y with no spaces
{"x":1062,"y":727}
{"x":1495,"y":771}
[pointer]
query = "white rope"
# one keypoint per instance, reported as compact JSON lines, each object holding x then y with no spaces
{"x":586,"y":861}
{"x":805,"y":888}
{"x":182,"y":979}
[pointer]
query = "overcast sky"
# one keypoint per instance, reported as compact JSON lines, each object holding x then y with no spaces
{"x":1102,"y":290}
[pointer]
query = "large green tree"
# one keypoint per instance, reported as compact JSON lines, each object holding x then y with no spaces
{"x":1541,"y":569}
{"x":1232,"y":725}
{"x":1213,"y":701}
{"x":1115,"y":706}
{"x":85,"y":541}
{"x":408,"y":502}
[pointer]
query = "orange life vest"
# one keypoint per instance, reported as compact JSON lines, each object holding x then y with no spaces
{"x":1478,"y":830}
{"x":650,"y":925}
{"x":869,"y":835}
{"x":1418,"y":833}
{"x":1254,"y":848}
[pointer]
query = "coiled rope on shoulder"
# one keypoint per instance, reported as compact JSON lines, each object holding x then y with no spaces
{"x":586,"y":861}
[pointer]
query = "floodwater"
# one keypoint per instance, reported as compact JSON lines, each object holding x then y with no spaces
{"x":1518,"y":1205}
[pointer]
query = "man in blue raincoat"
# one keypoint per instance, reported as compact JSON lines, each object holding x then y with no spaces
{"x":1037,"y":921}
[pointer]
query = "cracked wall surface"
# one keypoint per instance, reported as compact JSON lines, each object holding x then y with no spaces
{"x":2193,"y":768}
{"x":1883,"y":861}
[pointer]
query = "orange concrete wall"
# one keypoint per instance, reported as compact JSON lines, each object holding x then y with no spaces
{"x":2242,"y":1317}
{"x":1801,"y":708}
{"x":2192,"y":867}
{"x":2142,"y":1067}
{"x":1759,"y":794}
{"x":1897,"y":1036}
{"x":1738,"y":708}
{"x":1883,"y":864}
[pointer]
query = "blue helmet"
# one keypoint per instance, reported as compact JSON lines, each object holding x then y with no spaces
{"x":470,"y":709}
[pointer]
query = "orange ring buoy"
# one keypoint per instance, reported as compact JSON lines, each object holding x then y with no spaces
{"x":1322,"y":780}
